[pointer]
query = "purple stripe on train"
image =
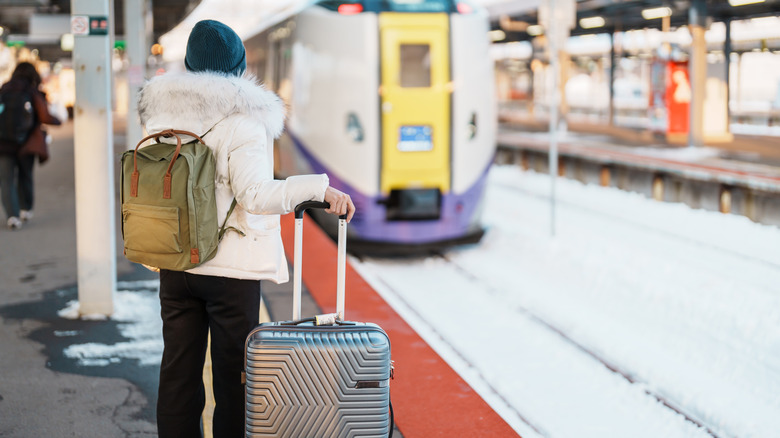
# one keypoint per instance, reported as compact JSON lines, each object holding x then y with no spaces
{"x":457,"y":211}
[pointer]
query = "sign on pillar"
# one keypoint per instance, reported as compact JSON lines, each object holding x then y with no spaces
{"x":94,"y":158}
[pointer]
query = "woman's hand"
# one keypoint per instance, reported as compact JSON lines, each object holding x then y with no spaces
{"x":340,"y":203}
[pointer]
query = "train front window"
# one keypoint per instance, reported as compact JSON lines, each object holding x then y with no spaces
{"x":415,"y":65}
{"x":417,"y":5}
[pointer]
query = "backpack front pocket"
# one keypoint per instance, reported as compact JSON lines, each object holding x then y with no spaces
{"x":151,"y":229}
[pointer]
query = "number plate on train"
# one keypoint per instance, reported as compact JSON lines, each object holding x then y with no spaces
{"x":415,"y":138}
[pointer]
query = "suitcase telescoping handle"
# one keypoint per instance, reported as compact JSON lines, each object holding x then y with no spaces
{"x":298,"y":262}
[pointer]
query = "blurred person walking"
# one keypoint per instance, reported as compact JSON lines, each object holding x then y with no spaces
{"x":23,"y":111}
{"x":238,"y":119}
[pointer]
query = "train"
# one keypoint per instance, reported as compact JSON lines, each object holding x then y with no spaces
{"x":395,"y":101}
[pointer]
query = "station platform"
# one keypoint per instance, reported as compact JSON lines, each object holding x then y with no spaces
{"x":739,"y":176}
{"x":45,"y":390}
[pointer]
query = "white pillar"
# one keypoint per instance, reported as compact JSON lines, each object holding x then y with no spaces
{"x":137,"y":38}
{"x":94,"y":161}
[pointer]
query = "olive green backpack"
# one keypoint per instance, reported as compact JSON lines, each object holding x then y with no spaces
{"x":169,"y":208}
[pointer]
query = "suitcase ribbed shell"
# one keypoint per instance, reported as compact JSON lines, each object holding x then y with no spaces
{"x":317,"y":381}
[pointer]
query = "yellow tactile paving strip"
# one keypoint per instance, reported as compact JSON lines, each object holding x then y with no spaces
{"x":208,"y":411}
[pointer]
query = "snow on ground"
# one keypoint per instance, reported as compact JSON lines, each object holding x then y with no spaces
{"x":685,"y":301}
{"x":137,"y":309}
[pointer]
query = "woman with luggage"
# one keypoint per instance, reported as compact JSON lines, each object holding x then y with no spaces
{"x":238,"y":119}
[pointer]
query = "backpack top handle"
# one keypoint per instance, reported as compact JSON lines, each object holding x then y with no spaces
{"x":167,"y":178}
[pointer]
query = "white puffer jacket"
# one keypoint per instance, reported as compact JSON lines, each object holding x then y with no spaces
{"x":243,"y":119}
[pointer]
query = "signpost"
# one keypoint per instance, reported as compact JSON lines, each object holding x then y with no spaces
{"x":557,"y":17}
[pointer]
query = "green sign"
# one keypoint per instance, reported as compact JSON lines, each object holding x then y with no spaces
{"x":98,"y":25}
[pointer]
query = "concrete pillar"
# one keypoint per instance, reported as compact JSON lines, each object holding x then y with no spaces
{"x":697,"y":71}
{"x":94,"y":158}
{"x":137,"y":42}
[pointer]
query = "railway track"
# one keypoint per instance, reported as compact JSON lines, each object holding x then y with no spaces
{"x":606,"y":362}
{"x":613,"y":367}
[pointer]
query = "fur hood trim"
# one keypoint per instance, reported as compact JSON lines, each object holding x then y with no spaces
{"x":201,"y":100}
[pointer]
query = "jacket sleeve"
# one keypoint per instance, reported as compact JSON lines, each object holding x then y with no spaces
{"x":250,"y":163}
{"x":42,"y":110}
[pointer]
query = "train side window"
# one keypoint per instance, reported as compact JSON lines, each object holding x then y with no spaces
{"x":415,"y":65}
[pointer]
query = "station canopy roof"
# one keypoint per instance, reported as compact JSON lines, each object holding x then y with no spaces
{"x":23,"y":19}
{"x":38,"y":23}
{"x":622,"y":15}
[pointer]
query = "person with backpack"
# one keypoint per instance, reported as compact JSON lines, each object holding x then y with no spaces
{"x":238,"y":119}
{"x":23,"y":110}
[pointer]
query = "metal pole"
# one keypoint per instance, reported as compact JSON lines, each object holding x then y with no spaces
{"x":137,"y":46}
{"x":297,"y":269}
{"x":341,"y":267}
{"x":94,"y":159}
{"x":612,"y":70}
{"x":727,"y":51}
{"x":554,"y":97}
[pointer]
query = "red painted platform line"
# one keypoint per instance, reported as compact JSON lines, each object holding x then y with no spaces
{"x":429,"y":397}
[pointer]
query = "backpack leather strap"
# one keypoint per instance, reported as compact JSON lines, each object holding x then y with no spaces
{"x":167,"y":178}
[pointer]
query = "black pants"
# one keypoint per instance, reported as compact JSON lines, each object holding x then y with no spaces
{"x":16,"y":183}
{"x":191,"y":305}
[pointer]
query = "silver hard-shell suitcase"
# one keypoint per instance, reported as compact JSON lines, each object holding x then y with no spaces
{"x":320,"y":376}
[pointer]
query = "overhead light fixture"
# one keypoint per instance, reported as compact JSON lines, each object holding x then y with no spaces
{"x":66,"y":42}
{"x":744,"y":2}
{"x":497,"y":35}
{"x":592,"y":22}
{"x":651,"y":14}
{"x":535,"y":30}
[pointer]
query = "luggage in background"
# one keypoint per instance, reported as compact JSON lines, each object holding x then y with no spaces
{"x":320,"y":376}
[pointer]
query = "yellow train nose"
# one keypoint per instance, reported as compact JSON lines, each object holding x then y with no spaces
{"x":415,"y":95}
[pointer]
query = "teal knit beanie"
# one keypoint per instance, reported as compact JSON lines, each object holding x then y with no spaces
{"x":213,"y":46}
